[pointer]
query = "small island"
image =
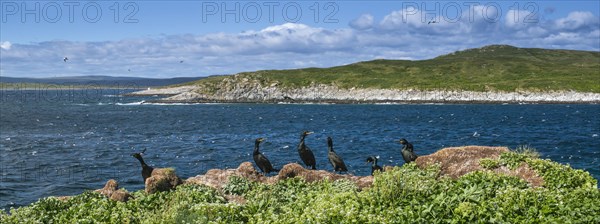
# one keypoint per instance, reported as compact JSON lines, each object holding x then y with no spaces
{"x":490,"y":74}
{"x":452,"y":185}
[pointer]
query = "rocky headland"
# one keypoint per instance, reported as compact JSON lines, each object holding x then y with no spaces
{"x":238,"y":89}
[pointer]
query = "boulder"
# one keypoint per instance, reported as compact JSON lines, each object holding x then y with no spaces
{"x":162,"y":179}
{"x":458,"y":161}
{"x":111,"y":190}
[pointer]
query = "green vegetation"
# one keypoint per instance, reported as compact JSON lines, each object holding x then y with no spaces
{"x":405,"y":194}
{"x":491,"y":68}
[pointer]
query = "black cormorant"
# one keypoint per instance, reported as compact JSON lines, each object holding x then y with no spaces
{"x":374,"y":166}
{"x":407,"y":151}
{"x":146,"y":170}
{"x":305,"y":153}
{"x":261,"y":161}
{"x":335,"y":160}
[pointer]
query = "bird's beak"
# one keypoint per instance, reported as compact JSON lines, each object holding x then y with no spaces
{"x":309,"y":133}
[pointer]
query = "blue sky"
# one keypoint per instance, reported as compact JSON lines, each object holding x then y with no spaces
{"x":151,"y":38}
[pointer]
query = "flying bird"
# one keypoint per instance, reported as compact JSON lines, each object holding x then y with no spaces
{"x":180,"y":61}
{"x":65,"y":59}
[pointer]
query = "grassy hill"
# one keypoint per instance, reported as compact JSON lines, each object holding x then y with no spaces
{"x":495,"y":67}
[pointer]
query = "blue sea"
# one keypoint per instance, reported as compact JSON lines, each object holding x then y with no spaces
{"x":63,"y":142}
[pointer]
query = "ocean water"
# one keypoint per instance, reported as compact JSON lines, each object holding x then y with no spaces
{"x":63,"y":142}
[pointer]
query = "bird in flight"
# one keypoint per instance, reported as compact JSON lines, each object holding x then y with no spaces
{"x":65,"y":59}
{"x":180,"y":61}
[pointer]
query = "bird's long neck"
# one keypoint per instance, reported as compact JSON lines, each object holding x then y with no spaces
{"x":330,"y":146}
{"x":142,"y":162}
{"x":300,"y":146}
{"x":256,"y":146}
{"x":374,"y":163}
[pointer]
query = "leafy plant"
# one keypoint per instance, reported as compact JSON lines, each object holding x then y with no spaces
{"x":404,"y":194}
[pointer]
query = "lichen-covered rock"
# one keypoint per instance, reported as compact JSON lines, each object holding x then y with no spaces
{"x":121,"y":195}
{"x":162,"y":179}
{"x":108,"y":189}
{"x":218,"y":178}
{"x":458,"y":161}
{"x":111,"y":190}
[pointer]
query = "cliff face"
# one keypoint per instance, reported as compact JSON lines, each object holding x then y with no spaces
{"x":243,"y":89}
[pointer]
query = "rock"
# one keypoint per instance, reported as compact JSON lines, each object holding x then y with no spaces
{"x":111,"y":190}
{"x":120,"y":195}
{"x":162,"y":179}
{"x":108,"y":189}
{"x":244,"y":89}
{"x":454,"y":162}
{"x":458,"y":161}
{"x":218,"y":178}
{"x":64,"y":198}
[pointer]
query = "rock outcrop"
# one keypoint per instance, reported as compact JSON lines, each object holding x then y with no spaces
{"x":454,"y":162}
{"x":162,"y":179}
{"x":458,"y":161}
{"x":239,"y":88}
{"x":218,"y":178}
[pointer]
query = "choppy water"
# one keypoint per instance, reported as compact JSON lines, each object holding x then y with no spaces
{"x":64,"y":142}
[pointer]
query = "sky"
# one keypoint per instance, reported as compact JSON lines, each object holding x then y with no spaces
{"x":161,"y":39}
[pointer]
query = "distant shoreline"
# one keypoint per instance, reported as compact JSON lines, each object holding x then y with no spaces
{"x":67,"y":88}
{"x":333,"y":95}
{"x":348,"y":102}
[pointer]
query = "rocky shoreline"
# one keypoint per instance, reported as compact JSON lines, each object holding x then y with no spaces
{"x":327,"y":94}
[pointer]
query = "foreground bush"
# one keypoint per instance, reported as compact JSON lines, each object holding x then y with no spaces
{"x":403,"y":195}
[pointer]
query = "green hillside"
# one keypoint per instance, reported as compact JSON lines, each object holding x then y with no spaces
{"x":495,"y":67}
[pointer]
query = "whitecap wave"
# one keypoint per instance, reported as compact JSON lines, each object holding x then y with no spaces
{"x":132,"y":103}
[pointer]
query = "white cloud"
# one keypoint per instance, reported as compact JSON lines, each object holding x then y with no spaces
{"x":5,"y":45}
{"x":399,"y":35}
{"x":363,"y":22}
{"x":576,"y":20}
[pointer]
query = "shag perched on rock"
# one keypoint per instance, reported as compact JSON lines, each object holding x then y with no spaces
{"x":146,"y":170}
{"x":407,"y":151}
{"x":305,"y":153}
{"x":261,"y":160}
{"x":335,"y":160}
{"x":374,"y":166}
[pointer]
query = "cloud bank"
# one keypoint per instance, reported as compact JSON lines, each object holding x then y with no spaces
{"x":402,"y":34}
